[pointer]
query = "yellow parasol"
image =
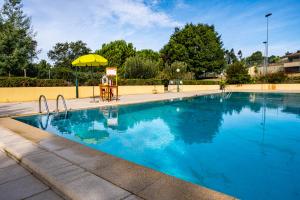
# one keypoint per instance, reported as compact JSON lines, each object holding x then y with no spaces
{"x":89,"y":60}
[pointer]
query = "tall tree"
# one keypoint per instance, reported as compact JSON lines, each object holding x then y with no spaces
{"x":255,"y":59}
{"x":139,"y":67}
{"x":240,"y":55}
{"x":237,"y":73}
{"x":43,"y":69}
{"x":64,"y":53}
{"x":230,"y":57}
{"x":199,"y":46}
{"x":17,"y":43}
{"x":274,"y":59}
{"x":148,"y":54}
{"x":116,"y":52}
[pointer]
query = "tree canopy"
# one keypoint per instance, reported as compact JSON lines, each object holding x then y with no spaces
{"x":256,"y":59}
{"x":148,"y":54}
{"x":18,"y":47}
{"x":116,"y":52}
{"x":64,"y":53}
{"x":140,"y":67}
{"x":199,"y":46}
{"x":237,"y":73}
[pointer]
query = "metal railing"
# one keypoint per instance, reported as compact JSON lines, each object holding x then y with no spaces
{"x":64,"y":103}
{"x":45,"y":103}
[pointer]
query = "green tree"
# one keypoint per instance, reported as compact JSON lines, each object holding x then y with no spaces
{"x":230,"y":57}
{"x":64,"y":53}
{"x":237,"y":73}
{"x":256,"y":59}
{"x":148,"y":54}
{"x":43,"y":69}
{"x":140,"y":67}
{"x":17,"y":44}
{"x":240,"y":55}
{"x":199,"y":46}
{"x":116,"y":53}
{"x":274,"y":59}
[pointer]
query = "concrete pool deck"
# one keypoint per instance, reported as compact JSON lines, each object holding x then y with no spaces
{"x":28,"y":108}
{"x":18,"y":183}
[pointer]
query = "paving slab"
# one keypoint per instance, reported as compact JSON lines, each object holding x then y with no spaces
{"x":44,"y":162}
{"x":47,"y":195}
{"x":29,"y":132}
{"x":5,"y":161}
{"x":23,"y":148}
{"x":56,"y":143}
{"x":62,"y":176}
{"x":168,"y":187}
{"x":80,"y":154}
{"x":92,"y":187}
{"x":21,"y":188}
{"x":12,"y":172}
{"x":100,"y":163}
{"x":127,"y":175}
{"x":5,"y":132}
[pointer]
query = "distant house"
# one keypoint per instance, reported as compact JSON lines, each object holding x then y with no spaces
{"x":289,"y":64}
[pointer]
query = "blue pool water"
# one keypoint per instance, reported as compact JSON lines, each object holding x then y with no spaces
{"x":246,"y":145}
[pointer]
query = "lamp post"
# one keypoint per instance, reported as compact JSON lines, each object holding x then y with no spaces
{"x":267,"y":42}
{"x":265,"y":58}
{"x":178,"y":70}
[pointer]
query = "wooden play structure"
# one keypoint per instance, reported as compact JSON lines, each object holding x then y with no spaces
{"x":109,"y":85}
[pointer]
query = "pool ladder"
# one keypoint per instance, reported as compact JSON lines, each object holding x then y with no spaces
{"x":64,"y":103}
{"x":42,"y":97}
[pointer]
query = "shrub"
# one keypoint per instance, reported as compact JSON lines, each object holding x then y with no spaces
{"x":237,"y":73}
{"x":139,"y":67}
{"x":140,"y":82}
{"x":31,"y":82}
{"x":200,"y":82}
{"x":278,"y":77}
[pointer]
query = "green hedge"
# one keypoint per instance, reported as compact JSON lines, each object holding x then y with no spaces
{"x":32,"y":82}
{"x":140,"y":82}
{"x":200,"y":82}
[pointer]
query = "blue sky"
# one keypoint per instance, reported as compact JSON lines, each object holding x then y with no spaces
{"x":149,"y":24}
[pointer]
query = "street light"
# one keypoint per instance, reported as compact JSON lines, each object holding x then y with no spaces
{"x":267,"y":42}
{"x":265,"y":58}
{"x":178,"y":70}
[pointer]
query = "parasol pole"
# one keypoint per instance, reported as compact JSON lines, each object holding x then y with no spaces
{"x":76,"y":83}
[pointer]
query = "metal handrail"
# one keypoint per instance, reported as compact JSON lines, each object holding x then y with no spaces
{"x":64,"y":102}
{"x":44,"y":127}
{"x":45,"y":103}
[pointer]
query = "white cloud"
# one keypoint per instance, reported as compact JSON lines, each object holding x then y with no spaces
{"x":94,"y":21}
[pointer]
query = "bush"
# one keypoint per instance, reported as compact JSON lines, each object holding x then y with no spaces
{"x":140,"y":82}
{"x":237,"y":73}
{"x":278,"y":77}
{"x":139,"y":67}
{"x":31,"y":82}
{"x":200,"y":82}
{"x":293,"y":79}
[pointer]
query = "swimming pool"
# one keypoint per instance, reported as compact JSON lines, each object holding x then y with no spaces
{"x":245,"y":144}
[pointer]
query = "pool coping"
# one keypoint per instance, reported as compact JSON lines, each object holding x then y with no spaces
{"x":132,"y":180}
